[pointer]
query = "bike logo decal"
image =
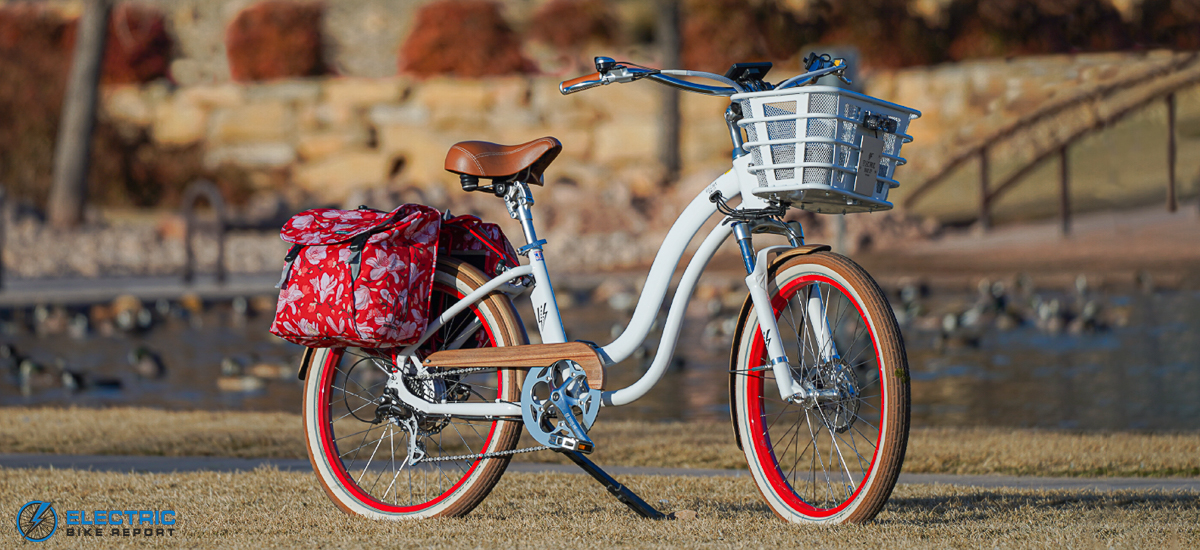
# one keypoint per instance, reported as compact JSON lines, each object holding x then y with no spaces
{"x":541,"y":315}
{"x":767,"y":338}
{"x":37,"y":520}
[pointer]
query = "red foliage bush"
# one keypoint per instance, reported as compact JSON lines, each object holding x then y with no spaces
{"x":884,"y":31}
{"x":36,"y":47}
{"x":982,"y":28}
{"x":138,"y":47}
{"x":35,"y":55}
{"x":572,"y":24}
{"x":467,"y":38}
{"x":718,"y":33}
{"x":1171,"y":23}
{"x":275,"y":39}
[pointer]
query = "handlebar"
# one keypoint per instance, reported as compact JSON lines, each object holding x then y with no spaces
{"x":609,"y":71}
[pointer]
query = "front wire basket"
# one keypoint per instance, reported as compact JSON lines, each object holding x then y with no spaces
{"x":806,"y":145}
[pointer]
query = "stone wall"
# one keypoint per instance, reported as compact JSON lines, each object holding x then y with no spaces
{"x":380,"y":141}
{"x":336,"y":136}
{"x":333,"y":137}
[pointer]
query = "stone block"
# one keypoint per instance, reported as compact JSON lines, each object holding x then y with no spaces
{"x":360,"y":92}
{"x":704,"y":142}
{"x":251,"y":155}
{"x":126,"y":104}
{"x":308,"y":91}
{"x":703,"y":109}
{"x":626,"y":140}
{"x":640,"y":99}
{"x":179,"y":122}
{"x":336,"y":176}
{"x":454,"y":95}
{"x":406,"y":114}
{"x":256,"y":122}
{"x":424,"y":153}
{"x":214,"y":96}
{"x":319,"y":145}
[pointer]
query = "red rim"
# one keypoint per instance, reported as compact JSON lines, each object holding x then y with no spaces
{"x":761,"y":439}
{"x":330,"y":448}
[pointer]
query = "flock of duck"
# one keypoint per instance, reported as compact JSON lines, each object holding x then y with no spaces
{"x":1002,"y":306}
{"x":125,"y":316}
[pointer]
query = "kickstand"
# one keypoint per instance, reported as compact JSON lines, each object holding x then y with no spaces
{"x":623,"y":494}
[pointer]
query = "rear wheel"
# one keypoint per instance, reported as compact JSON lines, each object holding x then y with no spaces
{"x":835,"y":459}
{"x":362,"y":441}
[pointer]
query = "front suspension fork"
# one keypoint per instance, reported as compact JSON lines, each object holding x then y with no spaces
{"x":756,"y":282}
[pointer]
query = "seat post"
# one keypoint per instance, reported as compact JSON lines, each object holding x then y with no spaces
{"x":518,"y":199}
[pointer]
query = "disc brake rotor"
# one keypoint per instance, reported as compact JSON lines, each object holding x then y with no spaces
{"x":842,"y":413}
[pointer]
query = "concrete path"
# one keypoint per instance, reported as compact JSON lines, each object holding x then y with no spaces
{"x":165,"y":464}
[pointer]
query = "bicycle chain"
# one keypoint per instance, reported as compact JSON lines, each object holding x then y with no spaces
{"x":478,"y":456}
{"x":496,"y":454}
{"x":453,"y":372}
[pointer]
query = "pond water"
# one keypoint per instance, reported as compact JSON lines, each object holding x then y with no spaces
{"x":1134,"y":365}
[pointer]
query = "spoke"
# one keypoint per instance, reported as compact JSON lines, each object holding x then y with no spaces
{"x":817,"y":453}
{"x":355,"y":394}
{"x":854,"y":447}
{"x":369,"y":459}
{"x":865,"y":437}
{"x":468,"y":331}
{"x":354,"y":434}
{"x":360,"y":445}
{"x":394,"y":476}
{"x":360,"y":407}
{"x":833,"y":446}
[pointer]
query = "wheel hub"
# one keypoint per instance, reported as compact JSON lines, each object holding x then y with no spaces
{"x":837,"y":390}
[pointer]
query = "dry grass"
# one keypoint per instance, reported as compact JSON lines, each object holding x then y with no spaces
{"x":136,"y":431}
{"x":279,"y":435}
{"x":269,"y":508}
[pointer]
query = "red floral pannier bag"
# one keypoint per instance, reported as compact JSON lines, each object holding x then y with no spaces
{"x":357,"y":277}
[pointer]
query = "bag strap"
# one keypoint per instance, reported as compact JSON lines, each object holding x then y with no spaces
{"x":360,"y":241}
{"x":488,"y":243}
{"x":287,"y":265}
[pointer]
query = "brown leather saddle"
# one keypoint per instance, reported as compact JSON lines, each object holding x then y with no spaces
{"x":525,"y":162}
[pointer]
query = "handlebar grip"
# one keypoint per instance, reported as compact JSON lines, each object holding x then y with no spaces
{"x":580,"y":84}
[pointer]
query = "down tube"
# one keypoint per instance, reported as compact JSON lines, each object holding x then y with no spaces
{"x":670,"y":336}
{"x":661,"y":271}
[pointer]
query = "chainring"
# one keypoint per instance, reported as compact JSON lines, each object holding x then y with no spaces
{"x":552,"y":393}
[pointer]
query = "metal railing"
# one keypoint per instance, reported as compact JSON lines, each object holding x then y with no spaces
{"x":1158,"y":91}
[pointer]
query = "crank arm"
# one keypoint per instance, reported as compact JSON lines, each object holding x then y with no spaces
{"x":582,"y":442}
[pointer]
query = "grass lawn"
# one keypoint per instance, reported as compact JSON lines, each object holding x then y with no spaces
{"x":268,"y":508}
{"x":134,"y":431}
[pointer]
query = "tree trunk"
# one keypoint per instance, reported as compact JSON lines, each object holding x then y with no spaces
{"x":669,"y":46}
{"x":73,"y":146}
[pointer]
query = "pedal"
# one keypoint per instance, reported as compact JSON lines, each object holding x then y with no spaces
{"x":562,"y":443}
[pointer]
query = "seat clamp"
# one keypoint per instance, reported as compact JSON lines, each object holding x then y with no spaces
{"x":535,"y":245}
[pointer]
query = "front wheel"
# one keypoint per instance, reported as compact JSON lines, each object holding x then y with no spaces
{"x":377,"y":458}
{"x":834,"y":459}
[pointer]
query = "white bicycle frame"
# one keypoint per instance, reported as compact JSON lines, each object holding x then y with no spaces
{"x":736,"y":182}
